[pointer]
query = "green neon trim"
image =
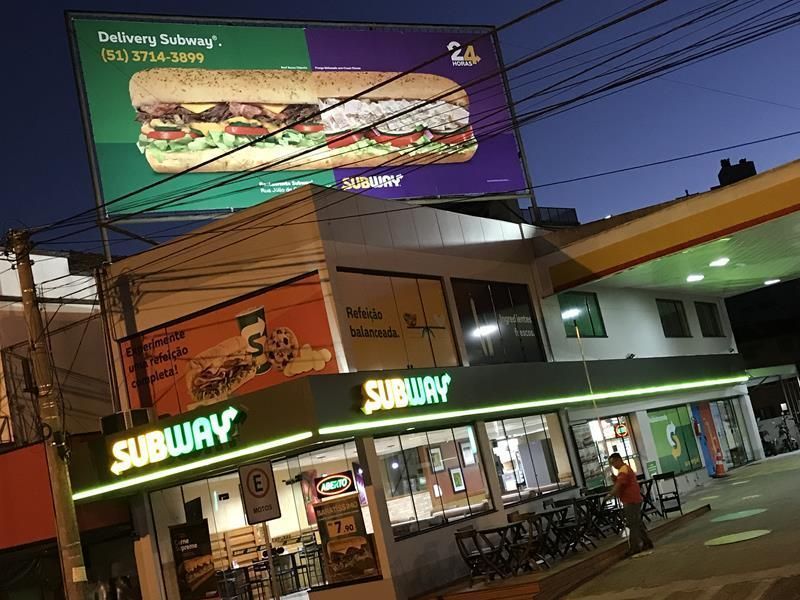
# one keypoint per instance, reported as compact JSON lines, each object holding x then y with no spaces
{"x":185,"y":468}
{"x":454,"y":414}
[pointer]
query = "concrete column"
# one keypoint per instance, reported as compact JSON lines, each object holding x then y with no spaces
{"x":145,"y":550}
{"x":487,"y":455}
{"x":378,"y":510}
{"x":751,"y":425}
{"x":646,"y":445}
{"x":572,"y":451}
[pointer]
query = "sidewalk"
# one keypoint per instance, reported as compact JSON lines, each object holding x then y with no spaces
{"x":683,"y":568}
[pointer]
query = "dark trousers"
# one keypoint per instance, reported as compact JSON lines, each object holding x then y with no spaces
{"x":637,"y":534}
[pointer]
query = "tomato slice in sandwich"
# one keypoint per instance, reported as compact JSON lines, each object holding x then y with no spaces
{"x":245,"y":130}
{"x":166,"y":135}
{"x":307,"y":128}
{"x":398,"y":141}
{"x":341,"y":140}
{"x":458,"y":137}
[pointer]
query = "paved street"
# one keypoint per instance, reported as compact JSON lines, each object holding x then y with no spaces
{"x":683,"y":567}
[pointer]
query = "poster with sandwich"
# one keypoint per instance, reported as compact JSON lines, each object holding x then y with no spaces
{"x":194,"y":560}
{"x":348,"y":551}
{"x":243,"y":345}
{"x":276,"y":106}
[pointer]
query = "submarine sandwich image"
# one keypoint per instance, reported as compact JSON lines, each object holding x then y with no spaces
{"x":189,"y":116}
{"x":217,"y":372}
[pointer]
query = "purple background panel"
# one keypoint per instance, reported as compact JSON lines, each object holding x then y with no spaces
{"x":496,"y":166}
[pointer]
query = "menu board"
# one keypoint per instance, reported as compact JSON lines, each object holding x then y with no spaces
{"x":347,"y":549}
{"x":194,"y":560}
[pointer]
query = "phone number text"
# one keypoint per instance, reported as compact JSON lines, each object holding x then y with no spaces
{"x":151,"y":56}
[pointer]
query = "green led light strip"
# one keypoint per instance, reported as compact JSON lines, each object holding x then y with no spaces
{"x":184,"y":468}
{"x":455,"y":414}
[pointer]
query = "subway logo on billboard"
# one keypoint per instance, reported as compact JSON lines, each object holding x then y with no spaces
{"x":401,"y":392}
{"x":174,"y":441}
{"x":373,"y":182}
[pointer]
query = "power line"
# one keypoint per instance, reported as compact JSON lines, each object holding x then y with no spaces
{"x":729,"y":93}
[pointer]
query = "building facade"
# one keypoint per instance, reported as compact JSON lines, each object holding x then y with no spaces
{"x":420,"y":353}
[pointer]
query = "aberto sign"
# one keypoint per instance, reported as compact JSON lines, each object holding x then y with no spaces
{"x":336,"y":484}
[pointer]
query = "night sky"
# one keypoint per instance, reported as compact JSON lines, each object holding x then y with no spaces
{"x":47,"y":174}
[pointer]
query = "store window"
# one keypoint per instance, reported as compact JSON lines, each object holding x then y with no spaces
{"x":497,"y":322}
{"x":396,"y":321}
{"x":586,"y":308}
{"x":673,"y":434}
{"x":708,"y":315}
{"x":597,"y":441}
{"x":432,"y":478}
{"x":209,"y":514}
{"x":530,"y":456}
{"x":673,"y":318}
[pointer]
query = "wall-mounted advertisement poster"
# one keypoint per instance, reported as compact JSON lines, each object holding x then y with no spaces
{"x":250,"y":343}
{"x":674,"y":438}
{"x":395,"y":322}
{"x":163,"y":95}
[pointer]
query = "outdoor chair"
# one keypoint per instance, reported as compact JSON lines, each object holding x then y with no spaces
{"x":649,"y":507}
{"x":669,"y":499}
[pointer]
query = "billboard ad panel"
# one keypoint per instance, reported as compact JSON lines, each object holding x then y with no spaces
{"x":244,"y":345}
{"x":163,"y":95}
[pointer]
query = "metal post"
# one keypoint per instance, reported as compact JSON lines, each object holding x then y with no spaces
{"x":591,"y":390}
{"x":54,"y":437}
{"x":275,"y":585}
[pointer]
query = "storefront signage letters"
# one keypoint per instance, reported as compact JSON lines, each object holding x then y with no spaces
{"x":336,"y":484}
{"x":173,"y":441}
{"x":401,"y":392}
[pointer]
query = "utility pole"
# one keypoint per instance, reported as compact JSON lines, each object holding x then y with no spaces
{"x":73,"y":569}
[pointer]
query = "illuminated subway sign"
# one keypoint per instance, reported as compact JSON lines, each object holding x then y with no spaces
{"x":196,"y":434}
{"x":335,"y":485}
{"x":401,"y":392}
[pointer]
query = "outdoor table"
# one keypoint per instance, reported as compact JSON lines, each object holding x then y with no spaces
{"x":551,"y":518}
{"x":499,"y":540}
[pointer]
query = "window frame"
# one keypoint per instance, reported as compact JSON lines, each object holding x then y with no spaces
{"x":480,"y":460}
{"x":683,"y":318}
{"x":569,"y":329}
{"x":713,"y":307}
{"x":537,"y":327}
{"x":537,"y":496}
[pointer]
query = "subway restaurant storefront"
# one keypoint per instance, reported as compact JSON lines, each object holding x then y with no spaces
{"x":373,"y":472}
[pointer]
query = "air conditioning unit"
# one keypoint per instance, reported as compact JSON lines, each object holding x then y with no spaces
{"x":126,"y":419}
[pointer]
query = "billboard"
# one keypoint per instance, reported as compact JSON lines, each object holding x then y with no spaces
{"x":252,"y":342}
{"x":161,"y":95}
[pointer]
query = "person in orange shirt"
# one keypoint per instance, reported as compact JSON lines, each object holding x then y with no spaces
{"x":626,"y":488}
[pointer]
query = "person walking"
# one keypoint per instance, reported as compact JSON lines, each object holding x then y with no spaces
{"x":626,"y":488}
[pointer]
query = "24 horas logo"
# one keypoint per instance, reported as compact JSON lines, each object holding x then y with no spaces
{"x":463,"y":56}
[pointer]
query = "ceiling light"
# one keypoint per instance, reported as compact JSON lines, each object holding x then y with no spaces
{"x":571,"y":313}
{"x":484,"y":330}
{"x":772,"y":281}
{"x":695,"y":277}
{"x":720,"y":262}
{"x":395,"y":465}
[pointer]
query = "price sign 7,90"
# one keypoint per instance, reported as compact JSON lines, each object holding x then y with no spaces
{"x":339,"y":527}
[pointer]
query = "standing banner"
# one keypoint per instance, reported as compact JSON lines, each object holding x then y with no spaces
{"x":347,"y":549}
{"x":194,"y":560}
{"x":164,"y":94}
{"x":246,"y":344}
